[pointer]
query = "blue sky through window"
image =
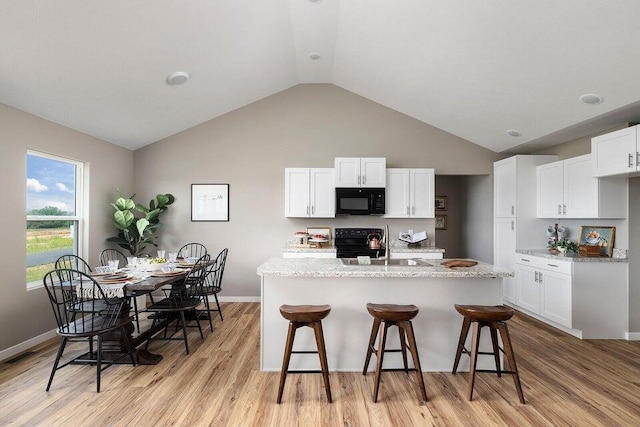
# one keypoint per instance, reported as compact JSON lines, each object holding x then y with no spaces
{"x":50,"y":182}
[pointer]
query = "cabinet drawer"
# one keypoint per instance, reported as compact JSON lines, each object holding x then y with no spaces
{"x":549,"y":264}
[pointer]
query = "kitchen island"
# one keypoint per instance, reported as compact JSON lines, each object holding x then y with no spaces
{"x":348,"y":288}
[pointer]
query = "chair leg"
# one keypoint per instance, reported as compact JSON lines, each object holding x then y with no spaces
{"x":206,"y":303}
{"x":99,"y":363}
{"x":322,"y":354}
{"x":403,"y":347}
{"x":508,"y":351}
{"x":285,"y":360}
{"x":135,"y":309}
{"x":218,"y":304}
{"x":475,"y":343}
{"x":466,"y":322}
{"x":128,"y":344}
{"x":408,"y":326}
{"x":184,"y":331}
{"x":146,"y":346}
{"x":372,"y":341}
{"x":195,"y":313}
{"x":63,"y":343}
{"x":496,"y":348}
{"x":381,"y":345}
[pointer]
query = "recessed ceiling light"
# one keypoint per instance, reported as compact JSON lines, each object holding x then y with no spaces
{"x":315,"y":56}
{"x":177,"y":78}
{"x":591,"y":98}
{"x":514,"y":133}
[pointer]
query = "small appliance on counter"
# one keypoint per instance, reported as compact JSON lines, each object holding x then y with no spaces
{"x":412,"y":239}
{"x":355,"y":242}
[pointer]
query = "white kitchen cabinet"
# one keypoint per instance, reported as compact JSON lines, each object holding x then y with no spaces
{"x":309,"y":193}
{"x":360,"y":172}
{"x":410,"y":193}
{"x":528,"y":288}
{"x":515,"y":213}
{"x":616,"y":153}
{"x":567,"y":189}
{"x":556,"y":297}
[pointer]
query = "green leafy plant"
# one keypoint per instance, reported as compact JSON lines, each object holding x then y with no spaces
{"x":569,"y":245}
{"x":138,"y":224}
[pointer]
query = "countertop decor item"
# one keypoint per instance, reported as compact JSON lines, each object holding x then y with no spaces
{"x":597,"y":235}
{"x":565,"y":245}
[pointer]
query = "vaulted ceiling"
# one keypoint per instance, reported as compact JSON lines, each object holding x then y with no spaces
{"x":472,"y":68}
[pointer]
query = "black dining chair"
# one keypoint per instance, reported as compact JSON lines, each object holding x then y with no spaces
{"x":82,"y":310}
{"x":114,"y":254}
{"x":212,"y":285}
{"x":181,"y":300}
{"x":196,"y":250}
{"x":73,"y":262}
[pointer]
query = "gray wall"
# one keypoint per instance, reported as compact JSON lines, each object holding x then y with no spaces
{"x":451,"y":186}
{"x":477,"y":218}
{"x":109,"y":166}
{"x":305,"y":126}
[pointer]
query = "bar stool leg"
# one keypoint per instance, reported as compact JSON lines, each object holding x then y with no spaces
{"x":496,"y":348}
{"x":403,"y":347}
{"x":466,"y":322}
{"x":285,"y":361}
{"x":508,"y":351}
{"x":416,"y":358}
{"x":380,"y":356}
{"x":372,"y":341}
{"x":475,"y":343}
{"x":317,"y":327}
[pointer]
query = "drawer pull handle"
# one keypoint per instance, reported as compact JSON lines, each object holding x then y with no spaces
{"x":630,"y":160}
{"x":553,"y":265}
{"x":525,"y":260}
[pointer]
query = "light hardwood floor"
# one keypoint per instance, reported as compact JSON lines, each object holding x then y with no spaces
{"x":566,"y":381}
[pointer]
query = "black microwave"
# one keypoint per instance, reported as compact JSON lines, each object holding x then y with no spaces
{"x":360,"y":201}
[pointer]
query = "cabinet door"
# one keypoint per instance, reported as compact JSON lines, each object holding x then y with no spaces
{"x":504,"y":249}
{"x":373,"y":171}
{"x":550,"y":190}
{"x":556,"y":296}
{"x":347,"y":172}
{"x":422,"y":188}
{"x":323,"y":193}
{"x":528,"y":291}
{"x":296,"y":192}
{"x":580,"y":188}
{"x":504,"y":188}
{"x":397,"y":195}
{"x":615,"y":153}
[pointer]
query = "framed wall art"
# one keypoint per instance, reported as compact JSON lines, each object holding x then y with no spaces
{"x":441,"y":203}
{"x":441,"y":222}
{"x":209,"y":202}
{"x":597,"y":235}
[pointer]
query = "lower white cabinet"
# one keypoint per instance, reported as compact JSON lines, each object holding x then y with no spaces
{"x":557,"y":297}
{"x":528,"y":289}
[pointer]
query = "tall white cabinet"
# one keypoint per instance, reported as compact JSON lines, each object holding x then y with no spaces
{"x":410,"y":193}
{"x":514,"y":211}
{"x":309,"y":193}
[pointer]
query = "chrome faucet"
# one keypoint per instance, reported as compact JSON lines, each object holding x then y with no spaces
{"x":387,"y":246}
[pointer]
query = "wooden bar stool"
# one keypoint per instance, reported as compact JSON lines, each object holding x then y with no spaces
{"x":299,"y":316}
{"x":494,"y":317}
{"x":400,"y":316}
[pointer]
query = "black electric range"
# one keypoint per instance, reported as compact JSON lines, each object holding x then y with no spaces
{"x":354,"y":242}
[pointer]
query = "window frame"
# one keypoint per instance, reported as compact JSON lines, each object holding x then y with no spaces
{"x":81,"y":201}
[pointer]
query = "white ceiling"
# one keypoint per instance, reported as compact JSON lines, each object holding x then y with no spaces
{"x":472,"y":68}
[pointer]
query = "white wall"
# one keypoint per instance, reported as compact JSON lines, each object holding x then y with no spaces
{"x":305,"y":126}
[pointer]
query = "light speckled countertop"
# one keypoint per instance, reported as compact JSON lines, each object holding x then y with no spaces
{"x":330,"y":267}
{"x":544,"y":253}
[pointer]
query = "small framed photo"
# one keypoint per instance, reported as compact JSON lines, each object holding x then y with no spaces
{"x":441,"y":203}
{"x":209,"y":202}
{"x":441,"y":222}
{"x":596,"y":235}
{"x":315,"y":234}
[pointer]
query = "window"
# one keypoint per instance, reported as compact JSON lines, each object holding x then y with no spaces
{"x":54,"y":212}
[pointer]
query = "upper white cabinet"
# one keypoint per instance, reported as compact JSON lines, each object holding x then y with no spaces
{"x":309,"y":193}
{"x":504,"y":188}
{"x":567,"y":189}
{"x":410,"y":193}
{"x":616,"y":153}
{"x":360,"y":172}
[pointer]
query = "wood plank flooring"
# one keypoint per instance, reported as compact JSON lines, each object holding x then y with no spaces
{"x":566,"y":381}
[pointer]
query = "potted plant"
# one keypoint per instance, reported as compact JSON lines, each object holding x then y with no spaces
{"x":565,"y":245}
{"x":138,"y":224}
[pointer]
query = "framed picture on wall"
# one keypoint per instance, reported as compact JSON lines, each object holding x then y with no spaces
{"x":441,"y":203}
{"x":596,"y":235}
{"x":209,"y":202}
{"x":441,"y":222}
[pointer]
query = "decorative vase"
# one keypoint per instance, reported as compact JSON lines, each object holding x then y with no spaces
{"x":562,"y":251}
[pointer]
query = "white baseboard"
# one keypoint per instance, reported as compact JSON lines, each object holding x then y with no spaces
{"x":236,"y":299}
{"x":633,"y":336}
{"x":26,"y":345}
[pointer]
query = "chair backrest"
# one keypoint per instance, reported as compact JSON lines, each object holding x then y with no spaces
{"x":111,"y":255}
{"x":72,"y":262}
{"x":194,"y":278}
{"x":215,"y":271}
{"x":196,"y":250}
{"x":74,"y":294}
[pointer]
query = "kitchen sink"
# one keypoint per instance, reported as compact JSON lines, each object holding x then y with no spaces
{"x":397,"y":262}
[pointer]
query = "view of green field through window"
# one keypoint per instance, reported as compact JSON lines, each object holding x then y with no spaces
{"x":51,"y":213}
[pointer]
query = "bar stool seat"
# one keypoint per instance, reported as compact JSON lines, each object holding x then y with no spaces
{"x":299,"y":316}
{"x":493,"y":317}
{"x":393,"y":315}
